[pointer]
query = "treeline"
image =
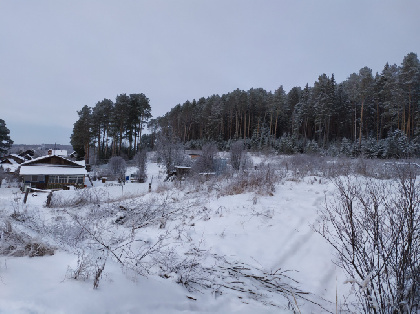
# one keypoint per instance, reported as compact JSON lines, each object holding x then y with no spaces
{"x":111,"y":128}
{"x":375,"y":115}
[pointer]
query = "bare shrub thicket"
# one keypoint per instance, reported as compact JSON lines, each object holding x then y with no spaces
{"x":16,"y":243}
{"x":170,"y":152}
{"x":238,"y":155}
{"x":261,"y":180}
{"x":199,"y":269}
{"x":206,"y":161}
{"x":99,"y":241}
{"x":302,"y":165}
{"x":79,"y":198}
{"x":374,"y":226}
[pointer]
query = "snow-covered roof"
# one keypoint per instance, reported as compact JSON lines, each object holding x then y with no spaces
{"x":47,"y":169}
{"x":13,"y":158}
{"x":18,"y":157}
{"x":9,"y":161}
{"x":35,"y":160}
{"x":10,"y":167}
{"x":80,"y":162}
{"x":40,"y":166}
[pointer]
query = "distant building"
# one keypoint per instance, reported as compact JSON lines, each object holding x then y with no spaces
{"x":52,"y":172}
{"x":194,"y":154}
{"x":11,"y":163}
{"x":57,"y":152}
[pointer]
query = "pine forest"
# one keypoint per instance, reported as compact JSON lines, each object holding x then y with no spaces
{"x":369,"y":115}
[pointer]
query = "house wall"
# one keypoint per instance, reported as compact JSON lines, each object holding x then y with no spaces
{"x":54,"y":181}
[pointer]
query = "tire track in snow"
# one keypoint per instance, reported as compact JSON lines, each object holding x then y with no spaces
{"x":297,"y":243}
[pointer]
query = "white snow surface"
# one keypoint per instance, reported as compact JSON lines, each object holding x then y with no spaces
{"x":51,"y":170}
{"x":265,"y":232}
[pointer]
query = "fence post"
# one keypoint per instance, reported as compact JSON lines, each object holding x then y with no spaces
{"x":26,"y":195}
{"x":49,"y":197}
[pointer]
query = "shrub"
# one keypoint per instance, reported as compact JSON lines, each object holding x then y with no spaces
{"x":374,"y":226}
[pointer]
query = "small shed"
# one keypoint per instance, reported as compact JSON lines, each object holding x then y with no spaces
{"x":182,"y":171}
{"x":52,"y":172}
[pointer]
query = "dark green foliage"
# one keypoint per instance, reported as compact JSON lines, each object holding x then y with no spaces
{"x":5,"y":141}
{"x":376,"y":116}
{"x":82,"y":134}
{"x":362,"y":113}
{"x":111,"y":129}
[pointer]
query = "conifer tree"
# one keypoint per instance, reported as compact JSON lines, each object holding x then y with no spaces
{"x":82,"y":133}
{"x":5,"y":141}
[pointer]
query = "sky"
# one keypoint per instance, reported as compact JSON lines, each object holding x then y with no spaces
{"x":57,"y":56}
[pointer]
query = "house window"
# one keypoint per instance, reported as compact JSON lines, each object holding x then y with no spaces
{"x":34,"y":178}
{"x":53,"y":179}
{"x":75,"y":179}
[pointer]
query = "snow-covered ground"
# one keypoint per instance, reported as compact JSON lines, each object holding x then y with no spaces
{"x":198,"y":255}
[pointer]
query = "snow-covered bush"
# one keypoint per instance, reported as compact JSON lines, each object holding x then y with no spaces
{"x":261,"y":180}
{"x":88,"y":267}
{"x":238,"y":155}
{"x":206,"y":161}
{"x":15,"y":243}
{"x":79,"y":198}
{"x":374,"y":226}
{"x":170,"y":152}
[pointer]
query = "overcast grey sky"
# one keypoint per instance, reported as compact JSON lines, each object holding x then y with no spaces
{"x":57,"y":56}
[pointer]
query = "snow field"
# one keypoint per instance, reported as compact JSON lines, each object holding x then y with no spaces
{"x":265,"y":233}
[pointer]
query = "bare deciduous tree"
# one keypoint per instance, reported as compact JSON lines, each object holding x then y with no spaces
{"x":170,"y":152}
{"x":118,"y":167}
{"x":206,"y":161}
{"x":237,"y":152}
{"x":140,"y":160}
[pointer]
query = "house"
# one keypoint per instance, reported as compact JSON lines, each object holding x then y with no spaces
{"x":52,"y":172}
{"x":57,"y":152}
{"x":11,"y":163}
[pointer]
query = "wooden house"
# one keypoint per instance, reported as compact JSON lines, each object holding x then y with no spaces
{"x":52,"y":172}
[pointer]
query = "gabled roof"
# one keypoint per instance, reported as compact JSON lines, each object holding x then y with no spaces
{"x":53,"y":160}
{"x":52,"y":165}
{"x":12,"y":158}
